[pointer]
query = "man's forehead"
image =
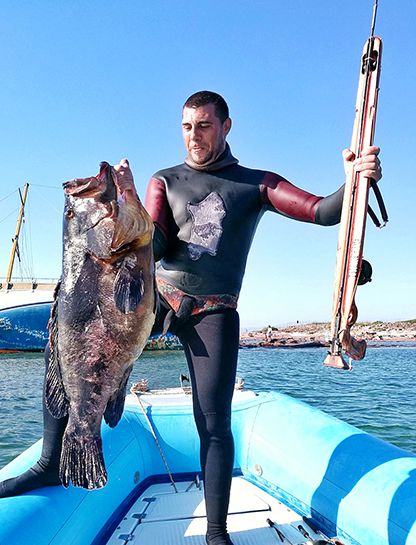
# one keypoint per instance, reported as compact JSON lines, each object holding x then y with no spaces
{"x":201,"y":113}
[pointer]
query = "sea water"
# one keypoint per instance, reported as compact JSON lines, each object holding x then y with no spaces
{"x":378,"y":395}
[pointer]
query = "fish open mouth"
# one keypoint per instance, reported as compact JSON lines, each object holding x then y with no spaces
{"x":101,"y":187}
{"x":116,"y":200}
{"x":84,"y":187}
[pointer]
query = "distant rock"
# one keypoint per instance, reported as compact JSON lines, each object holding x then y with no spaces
{"x":318,"y":333}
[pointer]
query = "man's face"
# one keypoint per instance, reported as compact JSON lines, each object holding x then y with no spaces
{"x":203,"y":133}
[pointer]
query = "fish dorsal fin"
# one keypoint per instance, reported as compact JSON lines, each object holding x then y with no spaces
{"x":55,"y":396}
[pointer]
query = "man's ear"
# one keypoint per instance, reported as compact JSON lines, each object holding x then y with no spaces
{"x":227,"y":125}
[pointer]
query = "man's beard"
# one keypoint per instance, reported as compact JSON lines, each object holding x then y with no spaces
{"x":205,"y":160}
{"x":208,"y":159}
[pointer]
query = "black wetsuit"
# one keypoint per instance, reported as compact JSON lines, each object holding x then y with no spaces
{"x":210,"y":341}
{"x":205,"y":221}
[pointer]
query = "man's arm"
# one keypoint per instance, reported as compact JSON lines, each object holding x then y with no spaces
{"x":298,"y":204}
{"x":285,"y":198}
{"x":157,"y":206}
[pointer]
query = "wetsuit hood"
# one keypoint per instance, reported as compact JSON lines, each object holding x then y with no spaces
{"x":224,"y":160}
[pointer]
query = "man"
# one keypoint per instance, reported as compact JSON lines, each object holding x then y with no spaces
{"x":205,"y":212}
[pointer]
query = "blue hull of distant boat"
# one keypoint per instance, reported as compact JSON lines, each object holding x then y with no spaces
{"x":24,"y":327}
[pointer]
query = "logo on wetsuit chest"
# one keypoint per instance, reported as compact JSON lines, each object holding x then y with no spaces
{"x":206,"y":228}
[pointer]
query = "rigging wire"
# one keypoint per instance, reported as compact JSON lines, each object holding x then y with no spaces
{"x":24,"y":266}
{"x":47,"y":186}
{"x":25,"y":263}
{"x":12,"y":213}
{"x":9,"y":195}
{"x":45,"y":200}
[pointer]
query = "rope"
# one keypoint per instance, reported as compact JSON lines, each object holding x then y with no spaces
{"x":137,"y":394}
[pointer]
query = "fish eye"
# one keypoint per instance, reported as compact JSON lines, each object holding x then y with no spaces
{"x":69,"y":213}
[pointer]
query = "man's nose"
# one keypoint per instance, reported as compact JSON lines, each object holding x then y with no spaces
{"x":195,"y":134}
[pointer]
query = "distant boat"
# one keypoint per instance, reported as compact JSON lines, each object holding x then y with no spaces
{"x":25,"y":303}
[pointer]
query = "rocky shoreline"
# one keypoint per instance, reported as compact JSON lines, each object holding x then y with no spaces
{"x":311,"y":335}
{"x":317,"y":334}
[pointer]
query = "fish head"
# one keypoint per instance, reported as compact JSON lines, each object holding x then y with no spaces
{"x":104,"y":216}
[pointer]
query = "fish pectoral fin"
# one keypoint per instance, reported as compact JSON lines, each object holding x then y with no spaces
{"x":128,"y":287}
{"x":115,"y":405}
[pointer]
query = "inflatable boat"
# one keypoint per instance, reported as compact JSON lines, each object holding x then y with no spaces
{"x":301,"y":477}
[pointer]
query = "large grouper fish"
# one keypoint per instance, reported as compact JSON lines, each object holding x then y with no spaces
{"x":101,"y":318}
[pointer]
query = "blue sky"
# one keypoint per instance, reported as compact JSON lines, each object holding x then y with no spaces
{"x":89,"y":81}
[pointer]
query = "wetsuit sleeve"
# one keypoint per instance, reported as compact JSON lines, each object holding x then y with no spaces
{"x":285,"y":198}
{"x":157,"y":206}
{"x":328,"y":210}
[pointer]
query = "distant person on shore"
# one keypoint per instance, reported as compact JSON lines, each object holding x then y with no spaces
{"x":205,"y":212}
{"x":269,"y":333}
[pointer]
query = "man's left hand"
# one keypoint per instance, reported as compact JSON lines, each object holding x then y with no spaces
{"x":368,"y":164}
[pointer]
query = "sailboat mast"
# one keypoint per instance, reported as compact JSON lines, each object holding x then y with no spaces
{"x":15,"y":245}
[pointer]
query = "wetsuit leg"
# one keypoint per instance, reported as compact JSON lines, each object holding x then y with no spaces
{"x":46,"y":470}
{"x":211,"y":346}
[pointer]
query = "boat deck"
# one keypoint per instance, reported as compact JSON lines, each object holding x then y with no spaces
{"x":162,"y":516}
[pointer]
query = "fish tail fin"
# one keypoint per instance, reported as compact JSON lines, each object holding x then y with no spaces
{"x":82,"y":460}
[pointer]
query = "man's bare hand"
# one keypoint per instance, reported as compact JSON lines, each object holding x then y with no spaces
{"x":125,"y":179}
{"x":368,"y":164}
